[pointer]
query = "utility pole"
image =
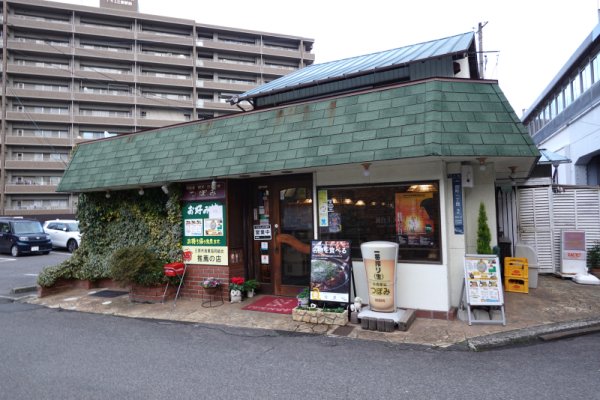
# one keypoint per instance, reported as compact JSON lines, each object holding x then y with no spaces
{"x":480,"y":52}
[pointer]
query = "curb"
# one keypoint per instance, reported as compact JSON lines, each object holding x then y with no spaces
{"x":23,"y":289}
{"x":534,"y":334}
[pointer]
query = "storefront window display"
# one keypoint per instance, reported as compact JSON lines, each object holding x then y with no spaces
{"x":406,"y":213}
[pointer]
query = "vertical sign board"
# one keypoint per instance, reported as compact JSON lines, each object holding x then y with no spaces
{"x":330,"y":271}
{"x":204,"y":224}
{"x":573,"y":254}
{"x":483,"y":285}
{"x":457,"y":204}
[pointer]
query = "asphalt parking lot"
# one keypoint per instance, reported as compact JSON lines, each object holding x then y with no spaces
{"x":18,"y":275}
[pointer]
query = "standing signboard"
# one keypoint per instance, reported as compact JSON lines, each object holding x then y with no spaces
{"x":204,"y":236}
{"x":573,"y":258}
{"x":330,"y":271}
{"x":483,"y":285}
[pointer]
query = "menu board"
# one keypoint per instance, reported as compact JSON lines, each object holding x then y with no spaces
{"x":204,"y":236}
{"x":482,"y":280}
{"x":330,"y":271}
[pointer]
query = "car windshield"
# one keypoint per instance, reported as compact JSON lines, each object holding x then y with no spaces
{"x":73,"y":227}
{"x":28,"y":227}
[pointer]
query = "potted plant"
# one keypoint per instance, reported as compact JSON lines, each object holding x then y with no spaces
{"x":235,"y":289}
{"x":250,"y":287}
{"x":211,"y":285}
{"x":593,"y":260}
{"x":303,"y":297}
{"x":141,"y":269}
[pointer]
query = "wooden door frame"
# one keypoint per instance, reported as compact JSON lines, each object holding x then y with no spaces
{"x":275,"y":184}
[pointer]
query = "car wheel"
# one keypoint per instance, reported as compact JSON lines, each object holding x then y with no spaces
{"x":45,"y":252}
{"x":72,"y":245}
{"x":14,"y":251}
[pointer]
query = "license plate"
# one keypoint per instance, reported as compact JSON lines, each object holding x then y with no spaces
{"x":35,"y":248}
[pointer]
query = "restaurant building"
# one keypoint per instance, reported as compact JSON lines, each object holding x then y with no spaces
{"x":402,"y":146}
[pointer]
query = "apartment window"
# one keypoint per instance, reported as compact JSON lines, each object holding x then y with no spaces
{"x":237,"y":80}
{"x":280,"y":45}
{"x":109,"y":89}
{"x":91,"y":112}
{"x":405,"y":213}
{"x":576,"y":87}
{"x":38,"y":132}
{"x":596,"y":69}
{"x":102,"y":23}
{"x":28,"y":14}
{"x":41,"y":64}
{"x":42,"y":109}
{"x":280,"y":64}
{"x":42,"y":86}
{"x":237,"y":40}
{"x":568,"y":95}
{"x":586,"y":77}
{"x":108,"y":70}
{"x":237,"y":60}
{"x":40,"y":204}
{"x":50,"y":42}
{"x":560,"y":102}
{"x":161,"y":74}
{"x":89,"y":135}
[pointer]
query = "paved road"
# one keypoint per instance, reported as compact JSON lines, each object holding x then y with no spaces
{"x":52,"y":354}
{"x":19,"y":272}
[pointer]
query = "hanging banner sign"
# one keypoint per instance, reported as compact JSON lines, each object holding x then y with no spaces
{"x":204,"y":236}
{"x":330,"y":271}
{"x":457,"y":203}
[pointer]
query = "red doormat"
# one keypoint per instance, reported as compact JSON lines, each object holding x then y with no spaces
{"x":273,"y":304}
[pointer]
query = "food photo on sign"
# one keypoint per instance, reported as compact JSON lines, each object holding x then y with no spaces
{"x":330,"y":271}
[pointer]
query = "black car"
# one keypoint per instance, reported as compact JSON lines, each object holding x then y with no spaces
{"x":23,"y":236}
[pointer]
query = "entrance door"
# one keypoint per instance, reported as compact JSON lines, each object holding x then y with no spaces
{"x":282,"y":229}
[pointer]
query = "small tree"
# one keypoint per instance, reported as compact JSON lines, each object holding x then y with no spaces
{"x":484,"y":237}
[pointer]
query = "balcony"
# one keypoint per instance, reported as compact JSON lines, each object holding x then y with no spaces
{"x":151,"y":79}
{"x":105,"y":54}
{"x":38,"y":211}
{"x":36,"y":165}
{"x":223,"y":66}
{"x":29,"y":188}
{"x":38,"y":117}
{"x":215,"y":106}
{"x":165,"y":59}
{"x":92,"y":97}
{"x":105,"y":76}
{"x":21,"y":21}
{"x":105,"y":31}
{"x":37,"y":141}
{"x":157,"y":123}
{"x":233,"y":87}
{"x":38,"y":70}
{"x":26,"y":46}
{"x":161,"y":37}
{"x":103,"y":120}
{"x":156,"y":101}
{"x":39,"y":94}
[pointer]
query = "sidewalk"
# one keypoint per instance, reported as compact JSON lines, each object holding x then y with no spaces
{"x":556,"y":308}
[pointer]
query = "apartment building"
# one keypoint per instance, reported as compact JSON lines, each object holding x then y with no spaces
{"x":74,"y":73}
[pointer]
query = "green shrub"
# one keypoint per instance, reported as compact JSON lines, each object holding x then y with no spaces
{"x":484,"y":237}
{"x":136,"y":265}
{"x":593,"y":256}
{"x":125,"y":219}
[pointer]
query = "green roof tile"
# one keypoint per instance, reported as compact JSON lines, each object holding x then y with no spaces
{"x":436,"y":117}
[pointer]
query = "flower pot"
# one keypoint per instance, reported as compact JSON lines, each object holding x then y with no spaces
{"x":302,"y":301}
{"x":236,"y":296}
{"x":211,"y":290}
{"x":250,"y":293}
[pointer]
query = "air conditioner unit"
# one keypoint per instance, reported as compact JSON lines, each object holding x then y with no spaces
{"x":20,"y":132}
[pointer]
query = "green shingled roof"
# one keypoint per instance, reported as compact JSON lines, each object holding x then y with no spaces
{"x":431,"y":118}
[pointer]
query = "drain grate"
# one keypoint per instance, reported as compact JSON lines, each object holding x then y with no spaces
{"x":109,"y":293}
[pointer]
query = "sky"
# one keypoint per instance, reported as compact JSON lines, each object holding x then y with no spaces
{"x":528,"y":41}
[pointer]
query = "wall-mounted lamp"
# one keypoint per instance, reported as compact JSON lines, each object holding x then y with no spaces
{"x":141,"y":191}
{"x":107,"y":194}
{"x":366,"y":166}
{"x":213,"y":185}
{"x":359,"y":203}
{"x":165,"y":189}
{"x":481,"y":163}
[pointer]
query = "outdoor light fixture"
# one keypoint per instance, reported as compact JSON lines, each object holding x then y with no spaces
{"x":366,"y":166}
{"x":213,"y":185}
{"x":165,"y":189}
{"x":141,"y":191}
{"x":481,"y":163}
{"x":107,"y":194}
{"x":512,"y":175}
{"x":359,"y":203}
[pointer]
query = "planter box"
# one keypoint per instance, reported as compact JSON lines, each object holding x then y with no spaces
{"x":151,"y":294}
{"x":318,"y":316}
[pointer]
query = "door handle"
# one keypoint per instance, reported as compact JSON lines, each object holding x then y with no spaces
{"x":275,"y":233}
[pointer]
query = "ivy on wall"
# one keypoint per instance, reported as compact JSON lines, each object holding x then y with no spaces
{"x":125,"y":219}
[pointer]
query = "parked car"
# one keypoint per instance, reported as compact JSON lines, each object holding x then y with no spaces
{"x":23,"y":236}
{"x":64,"y":233}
